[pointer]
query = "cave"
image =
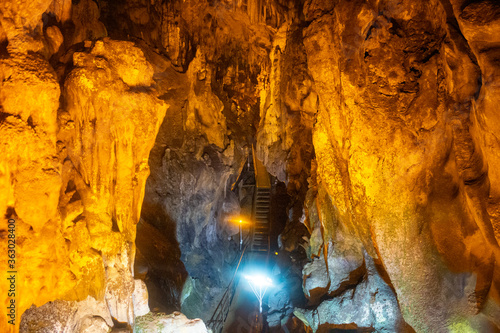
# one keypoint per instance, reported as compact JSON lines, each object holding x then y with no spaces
{"x":250,"y":166}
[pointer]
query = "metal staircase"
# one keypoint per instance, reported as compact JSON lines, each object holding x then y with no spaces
{"x":258,"y":240}
{"x":260,"y":232}
{"x":261,"y":206}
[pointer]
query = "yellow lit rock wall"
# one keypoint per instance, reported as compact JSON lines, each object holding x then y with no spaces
{"x":397,"y":85}
{"x":73,"y":172}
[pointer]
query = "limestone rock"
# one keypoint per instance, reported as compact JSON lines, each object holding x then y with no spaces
{"x":159,"y":263}
{"x":19,"y":17}
{"x":191,"y":163}
{"x":62,"y":316}
{"x":286,"y":292}
{"x":172,"y":323}
{"x":287,"y":107}
{"x":85,"y":16}
{"x":140,"y":298}
{"x":54,"y":39}
{"x":29,"y":99}
{"x":126,"y":60}
{"x":120,"y":287}
{"x":204,"y":109}
{"x":316,"y":282}
{"x":370,"y":305}
{"x":406,"y":179}
{"x":345,"y":262}
{"x":61,"y":9}
{"x":94,"y":324}
{"x":30,"y":90}
{"x":91,"y":201}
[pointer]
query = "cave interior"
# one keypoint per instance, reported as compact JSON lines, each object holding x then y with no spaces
{"x":156,"y":151}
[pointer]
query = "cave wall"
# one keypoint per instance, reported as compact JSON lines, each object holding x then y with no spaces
{"x":396,"y":151}
{"x":76,"y":143}
{"x":404,"y":153}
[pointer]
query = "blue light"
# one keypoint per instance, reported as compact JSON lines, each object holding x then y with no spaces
{"x":259,"y":283}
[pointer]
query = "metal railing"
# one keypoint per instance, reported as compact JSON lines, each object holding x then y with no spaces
{"x":216,"y":323}
{"x":262,"y":184}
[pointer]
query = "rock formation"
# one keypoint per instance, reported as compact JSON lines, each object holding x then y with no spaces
{"x":75,"y":164}
{"x":124,"y":125}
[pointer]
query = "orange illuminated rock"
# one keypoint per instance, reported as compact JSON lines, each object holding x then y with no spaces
{"x":108,"y":131}
{"x":396,"y":156}
{"x":74,"y":181}
{"x":204,"y":109}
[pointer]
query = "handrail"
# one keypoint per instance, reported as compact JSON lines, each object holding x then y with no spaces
{"x":216,"y":322}
{"x":262,"y":181}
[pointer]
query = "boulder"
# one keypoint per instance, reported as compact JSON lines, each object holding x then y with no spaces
{"x":172,"y":323}
{"x":58,"y":316}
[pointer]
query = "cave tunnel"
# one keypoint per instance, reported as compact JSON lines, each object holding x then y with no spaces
{"x":250,"y":166}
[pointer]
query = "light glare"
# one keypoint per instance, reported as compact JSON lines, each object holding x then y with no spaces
{"x":259,"y":280}
{"x":259,"y":284}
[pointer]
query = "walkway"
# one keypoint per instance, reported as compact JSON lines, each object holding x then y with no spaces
{"x":243,"y":316}
{"x":239,"y":302}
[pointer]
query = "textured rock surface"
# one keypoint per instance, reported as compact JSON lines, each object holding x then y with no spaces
{"x":371,"y":305}
{"x":140,"y":298}
{"x":173,"y":323}
{"x":63,"y":316}
{"x":73,"y":173}
{"x":344,"y":286}
{"x":188,"y":198}
{"x":285,"y":294}
{"x":396,"y":155}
